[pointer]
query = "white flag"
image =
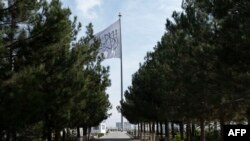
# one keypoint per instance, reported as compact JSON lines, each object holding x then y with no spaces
{"x":110,"y":45}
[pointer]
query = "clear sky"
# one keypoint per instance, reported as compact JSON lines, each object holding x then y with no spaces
{"x":143,"y":24}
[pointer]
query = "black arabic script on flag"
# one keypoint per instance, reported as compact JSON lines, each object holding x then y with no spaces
{"x":109,"y":43}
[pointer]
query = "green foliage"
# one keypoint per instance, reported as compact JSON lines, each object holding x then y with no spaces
{"x":100,"y":135}
{"x":213,"y":136}
{"x":177,"y":137}
{"x":49,"y":80}
{"x":90,"y":106}
{"x":198,"y":71}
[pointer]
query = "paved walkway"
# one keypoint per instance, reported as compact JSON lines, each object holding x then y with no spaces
{"x":115,"y":136}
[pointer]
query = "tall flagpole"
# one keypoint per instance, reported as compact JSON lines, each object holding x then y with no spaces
{"x":121,"y":68}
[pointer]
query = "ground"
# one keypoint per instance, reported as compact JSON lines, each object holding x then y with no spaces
{"x":116,"y":136}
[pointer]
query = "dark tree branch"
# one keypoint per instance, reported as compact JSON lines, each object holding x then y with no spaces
{"x":10,"y":7}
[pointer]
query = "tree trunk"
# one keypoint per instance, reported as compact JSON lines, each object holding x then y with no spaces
{"x":47,"y":127}
{"x":144,"y":131}
{"x":138,"y":130}
{"x":78,"y":132}
{"x":85,"y":133}
{"x":141,"y":130}
{"x":150,"y":127}
{"x":150,"y":130}
{"x":153,"y":131}
{"x":144,"y":127}
{"x":182,"y":130}
{"x":161,"y":130}
{"x":193,"y":131}
{"x":134,"y":134}
{"x":188,"y":131}
{"x":57,"y":135}
{"x":48,"y":134}
{"x":153,"y":127}
{"x":147,"y":128}
{"x":89,"y":131}
{"x":172,"y":130}
{"x":222,"y":122}
{"x":157,"y":128}
{"x":215,"y":126}
{"x":202,"y":125}
{"x":209,"y":127}
{"x":64,"y":135}
{"x":166,"y":131}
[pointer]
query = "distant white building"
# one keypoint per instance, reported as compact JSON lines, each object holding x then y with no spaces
{"x":102,"y":128}
{"x":126,"y":126}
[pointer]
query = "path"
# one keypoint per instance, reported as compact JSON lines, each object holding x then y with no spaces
{"x":115,"y":136}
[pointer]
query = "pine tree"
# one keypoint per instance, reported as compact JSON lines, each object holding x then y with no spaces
{"x":15,"y":21}
{"x":204,"y":66}
{"x":46,"y":73}
{"x":91,"y":105}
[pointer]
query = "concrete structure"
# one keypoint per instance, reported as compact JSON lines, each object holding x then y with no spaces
{"x":126,"y":126}
{"x":102,"y":128}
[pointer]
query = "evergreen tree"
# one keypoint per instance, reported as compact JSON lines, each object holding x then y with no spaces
{"x":16,"y":19}
{"x":90,"y":106}
{"x":203,"y":60}
{"x":45,"y":69}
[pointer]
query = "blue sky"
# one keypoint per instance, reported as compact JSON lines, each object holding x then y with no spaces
{"x":143,"y":24}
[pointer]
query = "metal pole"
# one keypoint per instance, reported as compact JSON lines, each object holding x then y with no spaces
{"x":121,"y":68}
